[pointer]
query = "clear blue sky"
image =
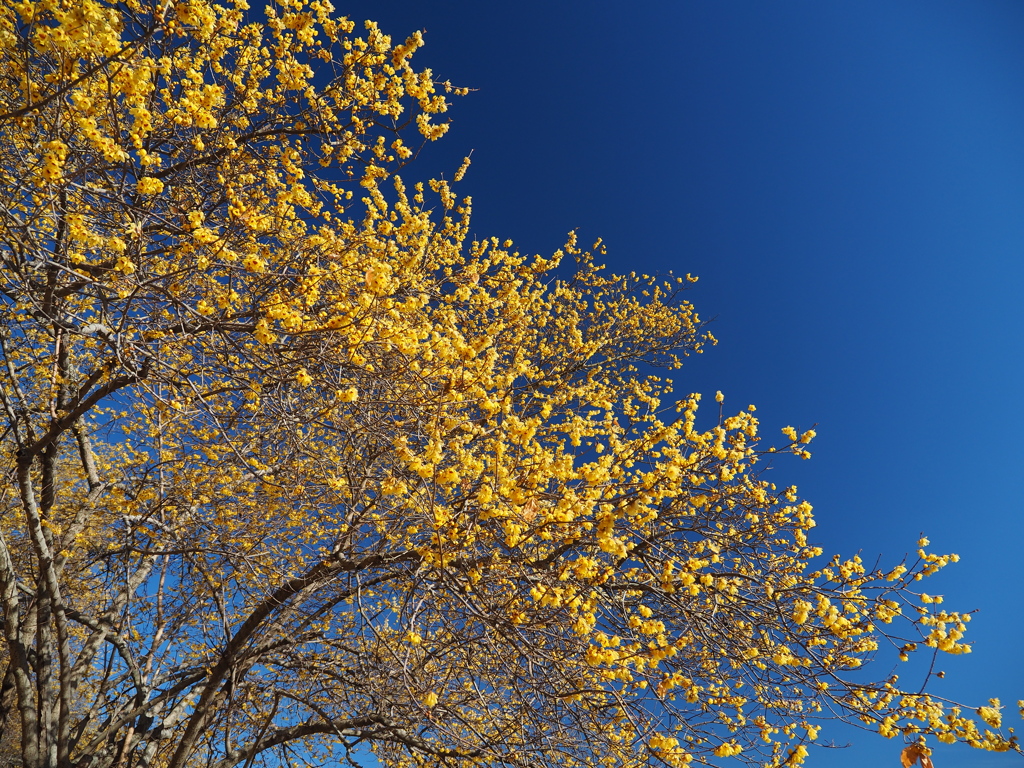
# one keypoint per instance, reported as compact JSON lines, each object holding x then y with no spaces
{"x":847,"y":178}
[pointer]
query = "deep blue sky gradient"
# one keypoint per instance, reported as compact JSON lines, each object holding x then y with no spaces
{"x":847,"y":179}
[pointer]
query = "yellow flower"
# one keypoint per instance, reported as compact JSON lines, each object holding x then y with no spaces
{"x":303,"y":378}
{"x":991,"y":714}
{"x":349,"y":395}
{"x":430,"y":699}
{"x":728,"y":749}
{"x":147,"y":185}
{"x":204,"y":235}
{"x":254,"y":263}
{"x":263,"y":333}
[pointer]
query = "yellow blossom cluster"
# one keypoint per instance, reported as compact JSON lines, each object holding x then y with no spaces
{"x":282,"y":427}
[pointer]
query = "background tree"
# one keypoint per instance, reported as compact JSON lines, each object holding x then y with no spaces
{"x":290,"y":473}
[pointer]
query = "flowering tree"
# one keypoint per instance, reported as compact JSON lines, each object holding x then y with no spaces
{"x":293,"y":468}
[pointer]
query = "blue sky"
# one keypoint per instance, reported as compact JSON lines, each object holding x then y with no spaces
{"x":847,"y":178}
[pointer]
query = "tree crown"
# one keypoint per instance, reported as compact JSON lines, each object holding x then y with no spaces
{"x":296,"y":465}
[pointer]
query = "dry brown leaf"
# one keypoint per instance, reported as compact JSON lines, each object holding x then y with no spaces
{"x":529,"y":511}
{"x":914,"y":753}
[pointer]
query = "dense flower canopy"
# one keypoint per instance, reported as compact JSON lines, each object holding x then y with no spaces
{"x":295,"y":467}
